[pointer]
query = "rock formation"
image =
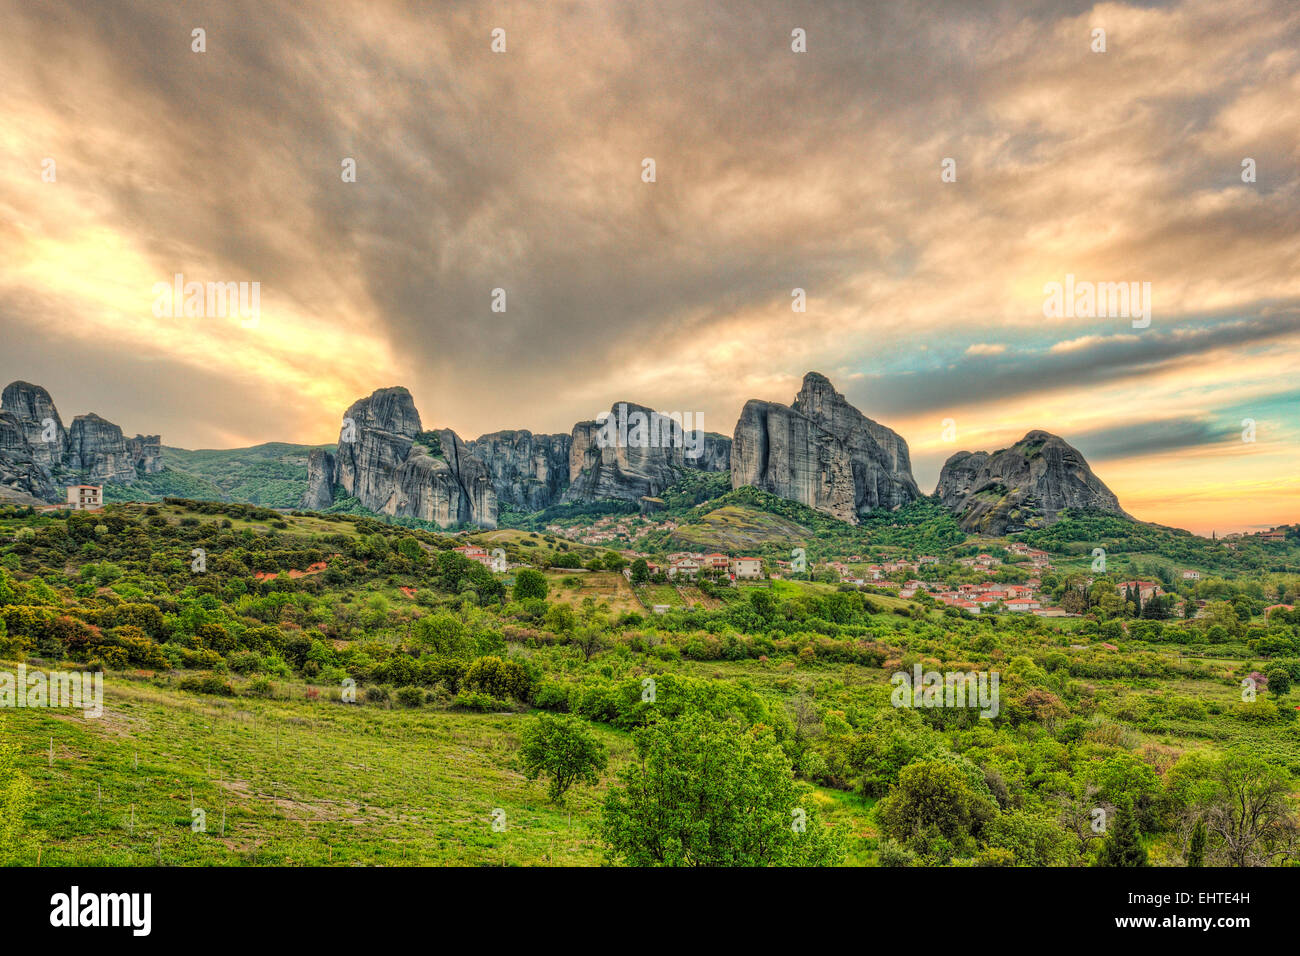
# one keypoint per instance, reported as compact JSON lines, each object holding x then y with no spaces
{"x":822,"y":452}
{"x":529,"y":472}
{"x":391,"y":466}
{"x":38,"y":456}
{"x":637,"y":452}
{"x":1021,"y":487}
{"x":97,"y":450}
{"x":43,"y":432}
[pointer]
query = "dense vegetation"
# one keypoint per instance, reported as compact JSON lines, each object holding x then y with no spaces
{"x":351,"y":636}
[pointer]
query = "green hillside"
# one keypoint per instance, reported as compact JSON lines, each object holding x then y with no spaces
{"x":273,"y":475}
{"x":334,"y":690}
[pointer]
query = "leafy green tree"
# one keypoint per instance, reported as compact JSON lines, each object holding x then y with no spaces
{"x":1251,"y":817}
{"x":1196,"y":849}
{"x":563,"y":749}
{"x":1279,"y":679}
{"x":640,"y":571}
{"x":560,"y":619}
{"x":1123,"y":847}
{"x":708,"y":792}
{"x":1032,"y":840}
{"x":530,"y":583}
{"x":935,"y":799}
{"x":443,"y":634}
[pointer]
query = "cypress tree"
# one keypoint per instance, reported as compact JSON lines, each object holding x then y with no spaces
{"x":1196,"y":851}
{"x":1124,"y":845}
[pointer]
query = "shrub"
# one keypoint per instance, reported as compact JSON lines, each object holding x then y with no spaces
{"x":483,"y":703}
{"x":498,"y":678}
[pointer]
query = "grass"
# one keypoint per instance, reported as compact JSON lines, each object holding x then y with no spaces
{"x":299,"y":782}
{"x":734,"y":529}
{"x":609,"y":587}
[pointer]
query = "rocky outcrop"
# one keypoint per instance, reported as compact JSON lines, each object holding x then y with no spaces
{"x":43,"y":434}
{"x":97,"y":450}
{"x":529,"y":472}
{"x":320,"y":480}
{"x":637,"y":452}
{"x":391,"y":466}
{"x":38,"y":455}
{"x":822,"y":452}
{"x":146,"y":453}
{"x":21,"y":476}
{"x":1025,"y":486}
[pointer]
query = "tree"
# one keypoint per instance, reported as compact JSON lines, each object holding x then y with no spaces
{"x":563,"y":749}
{"x":640,"y":571}
{"x":1251,"y":818}
{"x":703,"y":791}
{"x":1196,"y":849}
{"x":1279,"y":679}
{"x":589,"y":639}
{"x":1123,"y":847}
{"x":530,"y":583}
{"x":443,"y":634}
{"x":935,"y":799}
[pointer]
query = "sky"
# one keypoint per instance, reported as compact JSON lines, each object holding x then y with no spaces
{"x":127,"y":156}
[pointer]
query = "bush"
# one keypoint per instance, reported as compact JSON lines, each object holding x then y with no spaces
{"x":482,"y":703}
{"x":207,"y":684}
{"x":530,"y":583}
{"x":498,"y":678}
{"x":410,"y":696}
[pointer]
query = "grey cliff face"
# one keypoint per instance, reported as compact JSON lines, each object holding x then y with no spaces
{"x":642,"y":465}
{"x":320,"y":480}
{"x":42,"y":428}
{"x":529,"y":472}
{"x":822,"y":452}
{"x":20,"y":474}
{"x":38,"y":456}
{"x":386,"y":461}
{"x":146,"y":453}
{"x":1025,"y":486}
{"x":97,"y":449}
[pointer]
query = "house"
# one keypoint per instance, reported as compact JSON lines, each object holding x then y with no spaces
{"x":1022,"y":605}
{"x":482,"y":557}
{"x":1272,"y":536}
{"x":1191,"y":575}
{"x":716,"y":562}
{"x":1145,"y":590}
{"x":686,"y":567}
{"x":746,"y":569}
{"x":85,"y":497}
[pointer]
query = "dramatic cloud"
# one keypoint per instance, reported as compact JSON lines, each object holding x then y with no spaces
{"x":775,"y":170}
